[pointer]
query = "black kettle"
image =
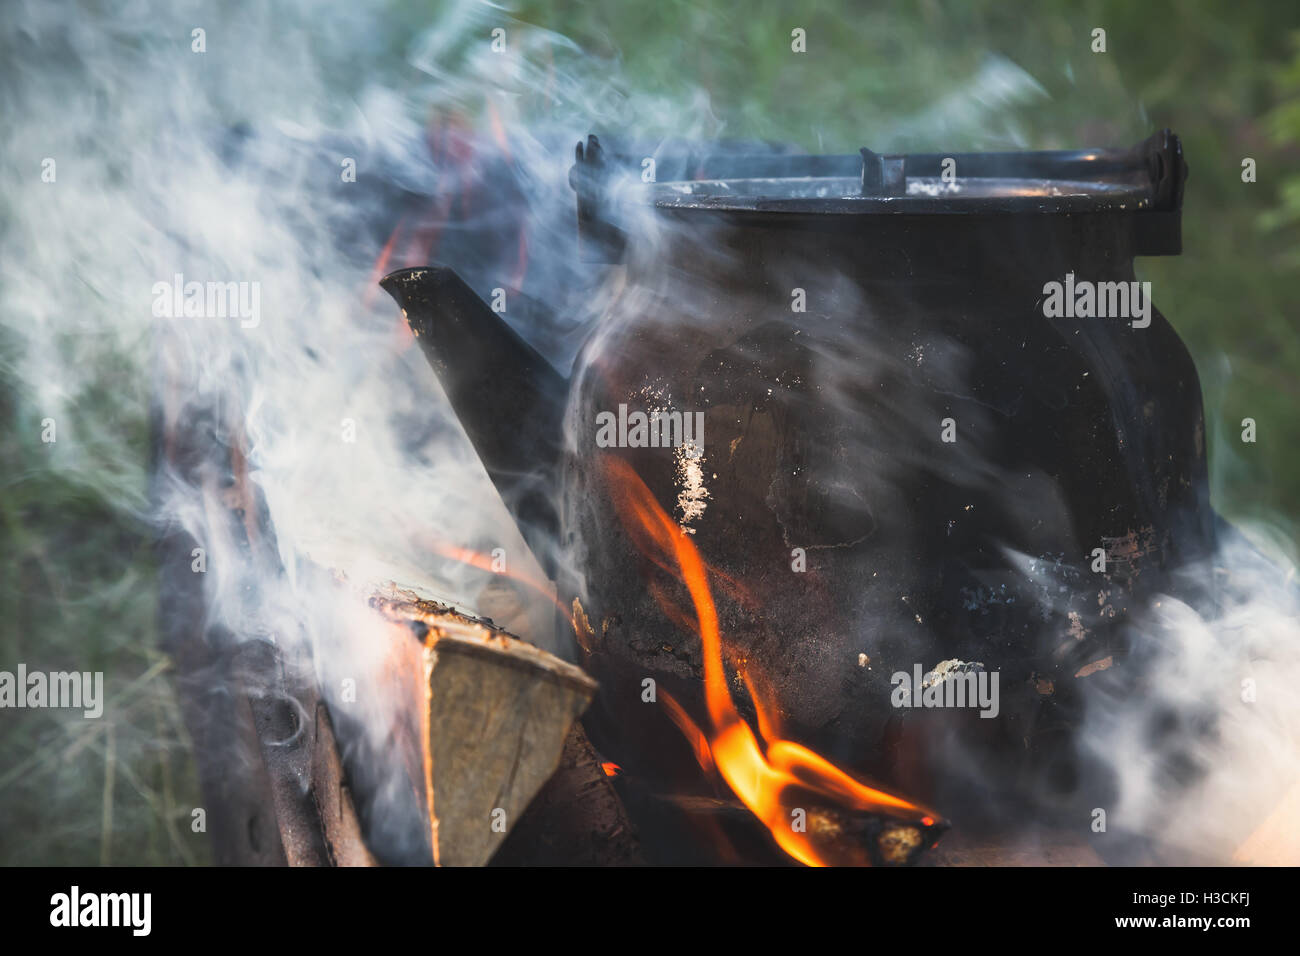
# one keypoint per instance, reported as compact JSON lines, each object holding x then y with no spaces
{"x":916,"y":414}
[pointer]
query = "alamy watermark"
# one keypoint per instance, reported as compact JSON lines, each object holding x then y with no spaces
{"x":75,"y":908}
{"x":76,"y":690}
{"x":658,"y":428}
{"x":952,"y":683}
{"x":1098,"y":300}
{"x":208,"y":300}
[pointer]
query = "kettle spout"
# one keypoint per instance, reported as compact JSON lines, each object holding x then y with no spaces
{"x":508,"y":398}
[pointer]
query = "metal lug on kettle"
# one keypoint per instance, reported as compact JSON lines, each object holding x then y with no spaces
{"x":883,"y":175}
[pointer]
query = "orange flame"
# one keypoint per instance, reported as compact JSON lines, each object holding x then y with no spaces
{"x":483,"y":562}
{"x":806,"y":802}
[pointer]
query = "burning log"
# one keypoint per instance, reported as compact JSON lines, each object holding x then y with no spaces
{"x":837,"y":836}
{"x":268,"y":763}
{"x":576,"y":819}
{"x":496,"y":712}
{"x":311,"y":800}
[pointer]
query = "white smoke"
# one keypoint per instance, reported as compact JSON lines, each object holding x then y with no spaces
{"x":210,"y":142}
{"x":225,"y":166}
{"x":1205,"y":752}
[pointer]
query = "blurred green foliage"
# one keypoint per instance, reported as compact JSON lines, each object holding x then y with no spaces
{"x":1283,"y":126}
{"x":77,"y":585}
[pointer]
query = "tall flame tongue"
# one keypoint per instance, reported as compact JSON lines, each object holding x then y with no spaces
{"x":843,"y":820}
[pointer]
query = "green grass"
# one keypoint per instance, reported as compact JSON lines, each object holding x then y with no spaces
{"x":79,"y":592}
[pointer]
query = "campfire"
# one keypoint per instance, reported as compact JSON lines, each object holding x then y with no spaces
{"x":824,"y":554}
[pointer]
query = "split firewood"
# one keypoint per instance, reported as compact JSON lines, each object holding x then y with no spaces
{"x":495,"y":710}
{"x":495,"y":714}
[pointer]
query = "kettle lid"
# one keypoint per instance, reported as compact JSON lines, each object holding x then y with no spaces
{"x":1146,"y":179}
